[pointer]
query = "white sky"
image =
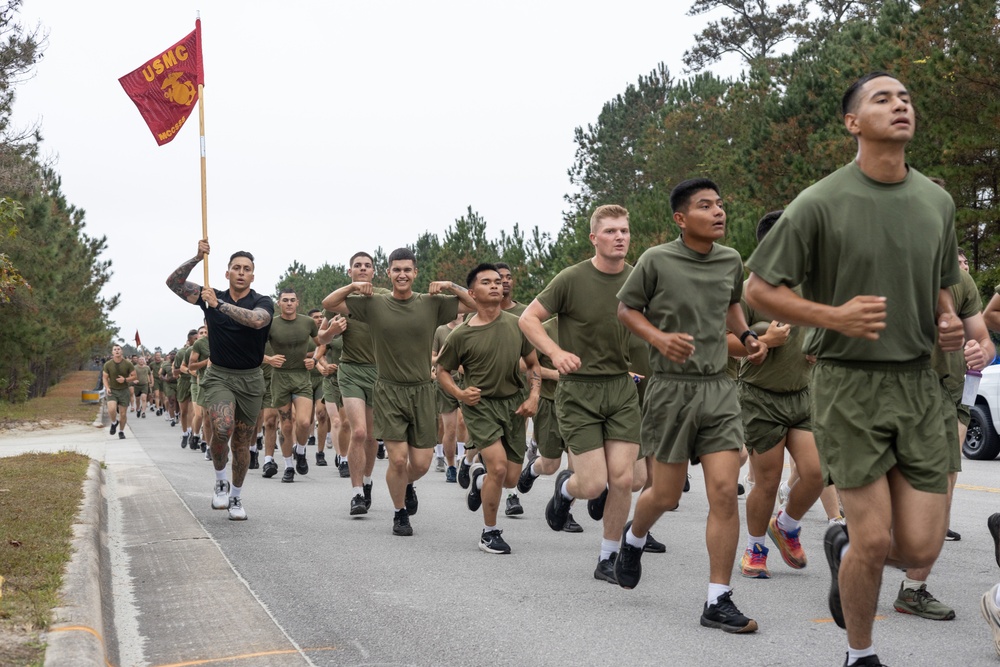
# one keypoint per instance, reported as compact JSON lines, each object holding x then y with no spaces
{"x":332,"y":127}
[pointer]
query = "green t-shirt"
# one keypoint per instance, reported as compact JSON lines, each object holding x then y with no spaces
{"x":403,"y":331}
{"x":849,"y":235}
{"x":785,"y":369}
{"x":489,"y":354}
{"x":683,"y":291}
{"x":951,"y":365}
{"x":551,"y":327}
{"x":334,"y":350}
{"x":516,"y":309}
{"x":292,"y":338}
{"x":440,"y":336}
{"x":266,"y":367}
{"x":314,"y":371}
{"x":182,"y":358}
{"x":359,"y":348}
{"x":584,"y":299}
{"x":201,"y":347}
{"x":142,"y":374}
{"x":154,"y":367}
{"x":123,"y":368}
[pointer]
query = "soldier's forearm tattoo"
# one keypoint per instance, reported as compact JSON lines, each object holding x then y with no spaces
{"x":180,"y":285}
{"x":255,"y":319}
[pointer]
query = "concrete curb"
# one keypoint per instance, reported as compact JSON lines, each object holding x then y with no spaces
{"x":76,"y":636}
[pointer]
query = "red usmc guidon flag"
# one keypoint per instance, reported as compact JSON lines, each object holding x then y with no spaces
{"x":165,"y":89}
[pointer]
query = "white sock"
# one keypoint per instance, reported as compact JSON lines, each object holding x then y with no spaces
{"x":268,"y":458}
{"x":855,"y":654}
{"x":439,"y":451}
{"x":479,"y":481}
{"x":234,"y":491}
{"x":357,"y":491}
{"x":997,"y":596}
{"x":487,"y":529}
{"x":608,"y":547}
{"x":366,"y":480}
{"x":220,"y":475}
{"x":460,"y":448}
{"x":843,"y":552}
{"x":289,"y":462}
{"x":300,"y":449}
{"x":565,"y":492}
{"x":785,"y":522}
{"x":912,"y":584}
{"x":715,"y":591}
{"x":633,"y":541}
{"x":753,"y":539}
{"x":531,"y":469}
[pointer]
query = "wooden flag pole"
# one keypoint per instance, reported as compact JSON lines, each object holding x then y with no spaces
{"x":204,"y":188}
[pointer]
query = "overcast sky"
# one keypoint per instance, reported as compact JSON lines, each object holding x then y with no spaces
{"x":332,"y":127}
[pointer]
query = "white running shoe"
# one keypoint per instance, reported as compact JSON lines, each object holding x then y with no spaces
{"x":220,"y":500}
{"x":236,"y":511}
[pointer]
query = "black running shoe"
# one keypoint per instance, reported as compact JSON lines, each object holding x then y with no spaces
{"x":173,"y":422}
{"x":270,"y":469}
{"x":321,"y":459}
{"x":204,"y":446}
{"x":451,"y":475}
{"x":628,"y":566}
{"x":952,"y":536}
{"x":121,"y":435}
{"x":193,"y":441}
{"x":463,"y":473}
{"x":114,"y":428}
{"x":606,"y":569}
{"x":289,"y":475}
{"x":142,"y":414}
{"x":301,"y":464}
{"x":367,"y":489}
{"x":654,"y":546}
{"x":184,"y":441}
{"x":401,"y":524}
{"x":254,"y":460}
{"x":358,"y":505}
{"x":571,"y":525}
{"x":725,"y":616}
{"x":833,"y":544}
{"x":492,"y":543}
{"x":260,"y":442}
{"x":867,"y":661}
{"x":475,"y":497}
{"x":344,"y":469}
{"x":311,"y":442}
{"x":740,"y":490}
{"x":410,"y":503}
{"x":514,"y":506}
{"x":557,"y":509}
{"x":993,"y":523}
{"x":526,"y":480}
{"x":687,"y":484}
{"x":380,"y":454}
{"x":595,"y":506}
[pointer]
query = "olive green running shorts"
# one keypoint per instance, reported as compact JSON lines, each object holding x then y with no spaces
{"x":141,"y":389}
{"x":686,"y":417}
{"x":243,"y":388}
{"x":197,"y":394}
{"x":768,"y":415}
{"x":550,"y":443}
{"x":406,"y":413}
{"x":170,"y":389}
{"x":446,"y":402}
{"x":317,"y":383}
{"x":119,"y":396}
{"x":592,"y":410}
{"x":358,"y":381}
{"x":331,"y":390}
{"x":868,"y":418}
{"x":952,"y":417}
{"x":183,"y":388}
{"x":493,"y":419}
{"x":286,"y":385}
{"x":265,"y":402}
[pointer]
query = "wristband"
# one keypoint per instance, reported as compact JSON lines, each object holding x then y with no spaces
{"x":743,"y":336}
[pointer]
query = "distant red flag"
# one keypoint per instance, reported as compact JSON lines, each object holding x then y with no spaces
{"x":138,"y":343}
{"x":165,"y":89}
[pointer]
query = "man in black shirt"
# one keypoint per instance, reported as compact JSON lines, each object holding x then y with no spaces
{"x":238,"y":322}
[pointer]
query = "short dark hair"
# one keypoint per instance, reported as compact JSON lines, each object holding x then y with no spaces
{"x":474,"y":273}
{"x":764,"y":224}
{"x":193,"y":332}
{"x":502,"y":265}
{"x":240,"y":253}
{"x":961,"y":253}
{"x":680,"y":196}
{"x":401,"y":255}
{"x":314,"y":310}
{"x":849,"y":102}
{"x":287,"y":290}
{"x":360,"y":254}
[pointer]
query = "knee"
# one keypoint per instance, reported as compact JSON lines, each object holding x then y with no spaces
{"x":358,"y":434}
{"x":872,"y":547}
{"x":621,"y":480}
{"x":589,"y":488}
{"x":544,"y":466}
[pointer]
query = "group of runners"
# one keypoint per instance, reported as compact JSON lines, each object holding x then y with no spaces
{"x":852,"y":333}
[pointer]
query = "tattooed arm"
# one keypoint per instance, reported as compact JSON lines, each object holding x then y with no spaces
{"x":178,"y":282}
{"x":258,"y":318}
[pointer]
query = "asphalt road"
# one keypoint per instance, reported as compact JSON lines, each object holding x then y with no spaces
{"x":303,"y":583}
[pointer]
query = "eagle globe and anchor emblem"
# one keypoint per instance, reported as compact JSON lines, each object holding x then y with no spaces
{"x":180,"y":92}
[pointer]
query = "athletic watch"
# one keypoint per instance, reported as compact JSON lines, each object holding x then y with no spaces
{"x":743,"y":336}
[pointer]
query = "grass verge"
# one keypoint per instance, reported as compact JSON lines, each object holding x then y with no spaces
{"x":61,"y":405}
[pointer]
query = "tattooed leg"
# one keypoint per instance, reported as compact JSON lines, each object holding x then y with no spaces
{"x":223,"y":423}
{"x":285,"y":415}
{"x":242,"y":437}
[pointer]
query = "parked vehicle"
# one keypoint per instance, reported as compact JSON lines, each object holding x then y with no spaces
{"x":982,"y":443}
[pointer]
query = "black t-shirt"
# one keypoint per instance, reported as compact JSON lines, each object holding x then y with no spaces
{"x":235,"y":345}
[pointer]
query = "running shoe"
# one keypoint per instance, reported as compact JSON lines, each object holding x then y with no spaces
{"x":236,"y":511}
{"x":474,"y":498}
{"x":526,"y":480}
{"x":142,"y":414}
{"x":628,"y":566}
{"x":270,"y":469}
{"x":867,"y":661}
{"x":654,"y":546}
{"x":753,"y":565}
{"x":687,"y":484}
{"x":114,"y":428}
{"x":311,"y":441}
{"x":451,"y":475}
{"x":367,"y":489}
{"x":439,"y":464}
{"x":463,"y":473}
{"x":380,"y":454}
{"x":289,"y":475}
{"x":301,"y":464}
{"x":783,"y":492}
{"x":839,"y":520}
{"x":513,"y":505}
{"x":557,"y":508}
{"x":358,"y":505}
{"x":571,"y":525}
{"x":595,"y":506}
{"x":193,"y":441}
{"x":173,"y":422}
{"x":993,"y":523}
{"x":343,"y":469}
{"x":254,"y":460}
{"x":606,"y":569}
{"x":208,"y":456}
{"x":952,"y":536}
{"x":492,"y":543}
{"x":411,"y":503}
{"x":220,"y":500}
{"x":184,"y":441}
{"x":788,"y":544}
{"x":321,"y":459}
{"x":833,"y":544}
{"x":919,"y":602}
{"x":204,"y":446}
{"x":991,"y":613}
{"x":401,"y":524}
{"x":121,"y":435}
{"x":725,"y":616}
